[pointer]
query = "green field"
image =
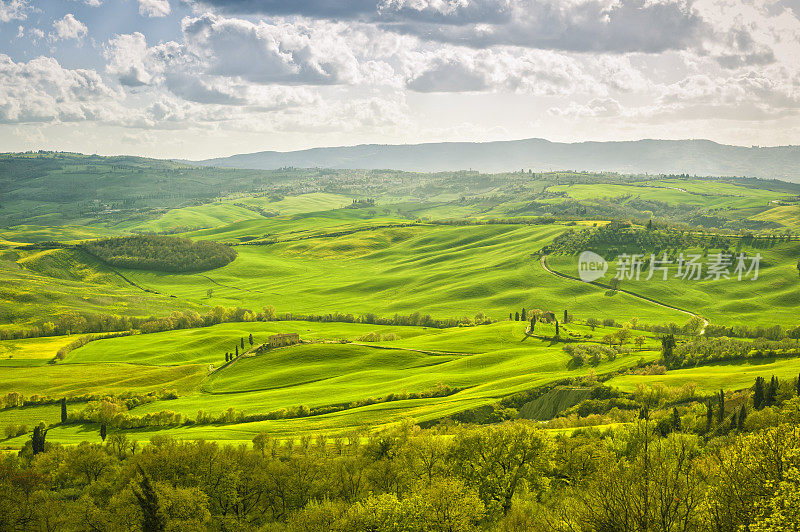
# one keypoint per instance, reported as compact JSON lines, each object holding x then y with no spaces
{"x":485,"y":362}
{"x":715,"y":377}
{"x":455,"y":246}
{"x":708,"y":195}
{"x":438,"y":270}
{"x":207,"y":345}
{"x":786,"y":215}
{"x":771,"y":299}
{"x":32,"y":351}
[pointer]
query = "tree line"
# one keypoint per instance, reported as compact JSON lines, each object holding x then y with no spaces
{"x":708,"y":350}
{"x":85,"y":322}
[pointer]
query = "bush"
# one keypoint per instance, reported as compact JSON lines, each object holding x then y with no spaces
{"x":377,"y":337}
{"x":13,"y":430}
{"x":652,"y":369}
{"x":593,"y":353}
{"x":370,"y":337}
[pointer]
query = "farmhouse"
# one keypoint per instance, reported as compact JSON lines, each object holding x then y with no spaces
{"x":280,"y":340}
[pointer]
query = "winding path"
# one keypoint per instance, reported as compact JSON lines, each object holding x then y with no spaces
{"x":644,"y":298}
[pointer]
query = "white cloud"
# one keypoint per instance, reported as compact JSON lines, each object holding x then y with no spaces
{"x":69,"y":28}
{"x":127,"y":56}
{"x":452,"y":69}
{"x":93,"y":3}
{"x":748,"y":96}
{"x":172,"y":67}
{"x":13,"y":10}
{"x":311,"y":72}
{"x":596,"y":108}
{"x":42,"y":90}
{"x":154,"y":8}
{"x":617,"y":26}
{"x":280,"y":52}
{"x":37,"y":34}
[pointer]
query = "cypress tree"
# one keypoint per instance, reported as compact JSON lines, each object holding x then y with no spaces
{"x":37,"y":439}
{"x":511,"y":316}
{"x":152,"y":518}
{"x":63,"y":409}
{"x":667,"y":347}
{"x":242,"y":342}
{"x":758,"y":394}
{"x":566,"y":316}
{"x":721,"y":413}
{"x":797,"y":385}
{"x":251,"y":339}
{"x":237,"y":351}
{"x":676,"y":419}
{"x":533,"y":324}
{"x":772,"y":391}
{"x":103,"y":431}
{"x":516,"y":316}
{"x":556,"y":327}
{"x":524,"y":315}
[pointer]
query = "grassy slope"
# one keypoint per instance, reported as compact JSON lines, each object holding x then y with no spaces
{"x":212,"y":216}
{"x":702,"y":194}
{"x":70,"y":265}
{"x":441,"y":270}
{"x":64,"y":233}
{"x":78,"y":379}
{"x":209,"y":344}
{"x":445,"y":271}
{"x":44,"y":291}
{"x":32,"y":351}
{"x":711,"y":378}
{"x":495,"y":363}
{"x":296,"y":226}
{"x":201,"y":217}
{"x":314,"y":202}
{"x":771,"y":299}
{"x":786,"y":215}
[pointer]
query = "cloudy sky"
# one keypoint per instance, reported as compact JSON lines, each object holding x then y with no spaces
{"x":205,"y":78}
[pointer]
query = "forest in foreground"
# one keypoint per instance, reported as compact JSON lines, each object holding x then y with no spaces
{"x":727,"y":468}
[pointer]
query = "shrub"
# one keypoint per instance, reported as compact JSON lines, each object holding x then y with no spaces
{"x":370,"y":337}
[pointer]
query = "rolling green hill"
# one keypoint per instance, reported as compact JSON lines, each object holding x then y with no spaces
{"x":332,"y":252}
{"x":439,"y":270}
{"x":487,"y":362}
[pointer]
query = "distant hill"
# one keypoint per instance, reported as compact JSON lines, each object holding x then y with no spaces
{"x":695,"y":157}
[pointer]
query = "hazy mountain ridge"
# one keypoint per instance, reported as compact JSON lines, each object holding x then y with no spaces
{"x":700,"y":157}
